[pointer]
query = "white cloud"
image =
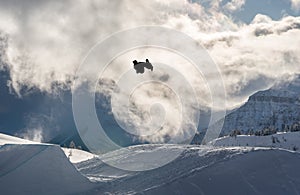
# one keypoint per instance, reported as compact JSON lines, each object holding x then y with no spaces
{"x":48,"y":42}
{"x":35,"y":134}
{"x":263,"y":49}
{"x":234,"y":5}
{"x":295,"y":5}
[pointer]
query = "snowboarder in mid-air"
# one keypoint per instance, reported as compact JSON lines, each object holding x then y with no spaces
{"x":140,"y":66}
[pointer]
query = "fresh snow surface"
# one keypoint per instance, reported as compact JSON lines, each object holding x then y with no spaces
{"x":45,"y":169}
{"x":74,"y":155}
{"x":257,"y":172}
{"x":288,"y":140}
{"x":201,"y":170}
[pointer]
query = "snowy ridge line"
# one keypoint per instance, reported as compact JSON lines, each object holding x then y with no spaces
{"x":287,"y":140}
{"x":8,"y":139}
{"x":74,"y":155}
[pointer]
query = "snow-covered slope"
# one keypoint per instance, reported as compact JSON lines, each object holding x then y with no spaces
{"x":202,"y":170}
{"x":288,"y":140}
{"x":44,"y":169}
{"x":277,"y":107}
{"x":259,"y":172}
{"x":74,"y":155}
{"x":38,"y":169}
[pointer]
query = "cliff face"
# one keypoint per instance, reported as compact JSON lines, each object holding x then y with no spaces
{"x":277,"y":107}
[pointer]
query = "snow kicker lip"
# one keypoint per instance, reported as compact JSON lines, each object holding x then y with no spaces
{"x":98,"y":59}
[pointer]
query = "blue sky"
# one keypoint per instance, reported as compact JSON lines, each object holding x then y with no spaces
{"x":275,"y":9}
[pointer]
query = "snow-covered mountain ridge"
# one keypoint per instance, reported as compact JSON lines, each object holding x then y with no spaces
{"x":277,"y":108}
{"x":288,"y":140}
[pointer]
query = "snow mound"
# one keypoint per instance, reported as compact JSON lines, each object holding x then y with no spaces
{"x":38,"y":169}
